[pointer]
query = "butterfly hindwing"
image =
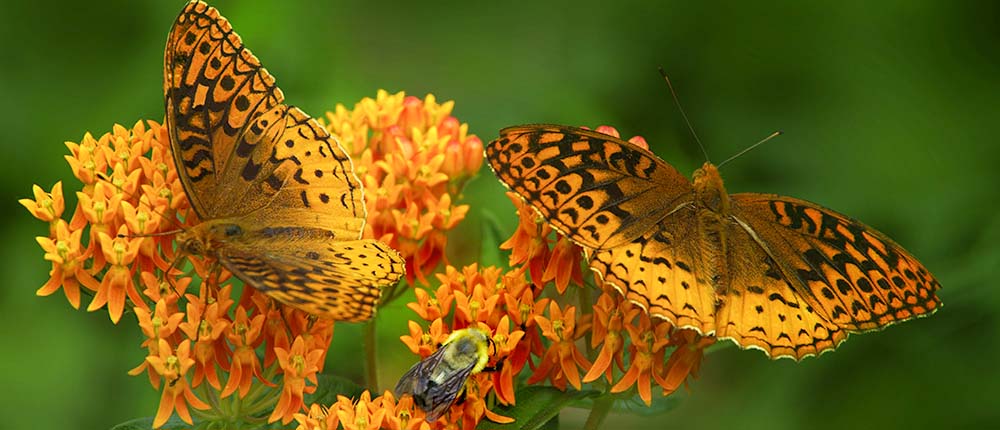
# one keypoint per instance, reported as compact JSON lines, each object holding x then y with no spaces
{"x":761,"y":309}
{"x":338,"y":280}
{"x":853,"y":275}
{"x":662,"y":272}
{"x":597,"y":190}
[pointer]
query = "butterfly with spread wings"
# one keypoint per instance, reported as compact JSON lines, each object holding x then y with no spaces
{"x":774,"y":273}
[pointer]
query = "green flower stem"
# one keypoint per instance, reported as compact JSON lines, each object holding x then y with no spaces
{"x":369,"y":334}
{"x":602,"y":405}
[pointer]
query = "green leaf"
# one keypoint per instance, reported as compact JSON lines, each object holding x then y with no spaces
{"x":173,"y":423}
{"x":633,"y":404}
{"x":536,"y":407}
{"x":330,"y":386}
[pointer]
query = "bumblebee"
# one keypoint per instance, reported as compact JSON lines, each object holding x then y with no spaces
{"x":437,"y":381}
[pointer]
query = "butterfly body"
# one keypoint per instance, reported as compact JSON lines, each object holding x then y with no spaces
{"x":769,"y":272}
{"x":279,"y":203}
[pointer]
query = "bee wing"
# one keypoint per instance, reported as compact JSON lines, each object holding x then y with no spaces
{"x":430,"y":395}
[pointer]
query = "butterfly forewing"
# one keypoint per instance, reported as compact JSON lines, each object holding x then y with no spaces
{"x":213,"y":88}
{"x":287,"y":160}
{"x":596,"y":189}
{"x":850,"y":273}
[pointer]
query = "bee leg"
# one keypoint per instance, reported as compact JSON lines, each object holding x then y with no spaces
{"x":494,"y":368}
{"x":460,"y":398}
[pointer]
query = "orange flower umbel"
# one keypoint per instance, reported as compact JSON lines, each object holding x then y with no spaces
{"x":242,"y":358}
{"x":414,"y":159}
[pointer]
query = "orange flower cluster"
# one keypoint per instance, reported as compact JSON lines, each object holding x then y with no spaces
{"x":118,"y":248}
{"x":548,"y":336}
{"x":237,"y":359}
{"x":486,"y":299}
{"x":414,"y":159}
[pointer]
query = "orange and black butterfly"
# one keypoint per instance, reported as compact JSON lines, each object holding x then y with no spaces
{"x":774,"y":273}
{"x":280,"y":204}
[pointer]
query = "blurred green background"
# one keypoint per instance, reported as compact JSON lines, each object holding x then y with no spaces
{"x":890,"y":113}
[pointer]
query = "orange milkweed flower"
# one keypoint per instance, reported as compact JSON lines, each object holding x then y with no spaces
{"x":529,"y":245}
{"x":86,"y":160}
{"x":685,"y":360}
{"x":245,"y":365}
{"x":206,"y":324}
{"x":611,"y":312}
{"x":474,"y":408}
{"x":562,"y":360}
{"x":401,"y":414}
{"x":431,"y":308}
{"x":522,"y":307}
{"x":159,"y":324}
{"x":364,"y":415}
{"x":646,"y":351}
{"x":564,"y":265}
{"x":299,"y":365}
{"x":47,"y":206}
{"x":317,"y":418}
{"x":118,"y":282}
{"x":68,"y":271}
{"x":425,"y":343}
{"x":506,"y":342}
{"x":100,"y":211}
{"x":177,"y":395}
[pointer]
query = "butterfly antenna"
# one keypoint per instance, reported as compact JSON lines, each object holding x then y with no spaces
{"x":683,"y":114}
{"x":771,"y":136}
{"x":179,"y":228}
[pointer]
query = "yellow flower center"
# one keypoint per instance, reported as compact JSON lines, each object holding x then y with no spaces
{"x":204,"y":330}
{"x":299,"y":364}
{"x":648,"y":338}
{"x":119,"y":249}
{"x":173,"y":365}
{"x":142,"y":217}
{"x":62,"y":248}
{"x":241,"y":330}
{"x":164,"y":288}
{"x":524,"y":311}
{"x":47,"y":204}
{"x":99,"y":208}
{"x":557,"y":326}
{"x":361,"y":416}
{"x":157,"y":324}
{"x":474,"y":307}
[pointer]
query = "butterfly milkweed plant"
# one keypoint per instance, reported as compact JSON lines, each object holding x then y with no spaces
{"x":236,"y":337}
{"x":225,"y":356}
